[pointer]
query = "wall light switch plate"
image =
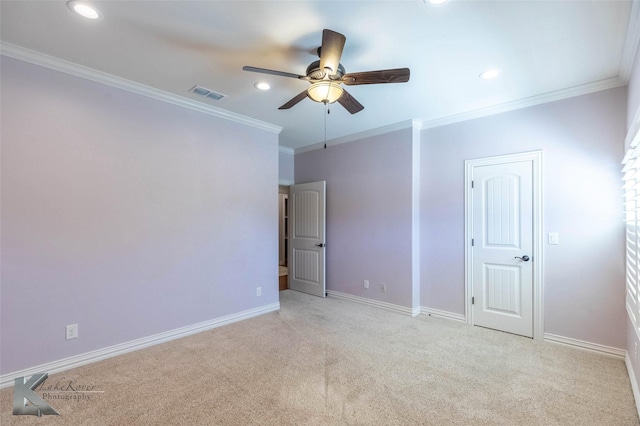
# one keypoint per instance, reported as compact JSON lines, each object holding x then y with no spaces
{"x":553,"y":238}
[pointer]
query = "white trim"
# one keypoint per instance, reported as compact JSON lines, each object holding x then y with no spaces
{"x":538,"y":277}
{"x":7,"y":380}
{"x":289,"y":151}
{"x":286,"y":150}
{"x":415,"y":215}
{"x":557,"y":95}
{"x":587,"y":346}
{"x":407,"y":124}
{"x":375,"y":303}
{"x":56,"y":64}
{"x":631,"y":43}
{"x":636,"y":329}
{"x":632,"y":379}
{"x":443,"y":314}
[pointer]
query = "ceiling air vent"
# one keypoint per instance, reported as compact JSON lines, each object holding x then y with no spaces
{"x":202,"y":91}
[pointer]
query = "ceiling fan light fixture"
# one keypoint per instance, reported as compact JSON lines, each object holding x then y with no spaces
{"x":326,"y":92}
{"x":84,"y":9}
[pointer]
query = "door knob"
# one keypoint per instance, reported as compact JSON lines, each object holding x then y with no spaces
{"x":524,"y":258}
{"x":320,"y":245}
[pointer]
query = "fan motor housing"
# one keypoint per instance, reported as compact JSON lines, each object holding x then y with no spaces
{"x":314,"y":72}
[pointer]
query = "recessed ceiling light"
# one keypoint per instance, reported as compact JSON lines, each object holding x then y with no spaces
{"x":84,"y":9}
{"x":437,"y":1}
{"x":489,"y":74}
{"x":262,"y":86}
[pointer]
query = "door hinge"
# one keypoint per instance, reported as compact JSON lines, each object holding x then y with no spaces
{"x":472,"y":242}
{"x":472,"y":185}
{"x":473,"y":300}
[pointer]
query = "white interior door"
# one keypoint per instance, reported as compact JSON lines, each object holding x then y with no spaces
{"x":502,"y":247}
{"x":307,"y":243}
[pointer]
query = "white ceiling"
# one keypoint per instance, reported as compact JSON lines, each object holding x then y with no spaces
{"x":545,"y":49}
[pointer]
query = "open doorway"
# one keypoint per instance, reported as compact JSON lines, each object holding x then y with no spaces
{"x":283,"y":247}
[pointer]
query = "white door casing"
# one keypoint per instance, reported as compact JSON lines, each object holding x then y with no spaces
{"x":503,"y":225}
{"x":307,"y":244}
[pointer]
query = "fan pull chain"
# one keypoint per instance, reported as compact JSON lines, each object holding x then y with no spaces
{"x":326,"y":110}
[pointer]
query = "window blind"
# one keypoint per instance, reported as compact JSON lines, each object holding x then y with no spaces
{"x":631,"y":188}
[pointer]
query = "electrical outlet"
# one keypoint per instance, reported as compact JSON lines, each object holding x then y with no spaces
{"x":259,"y":291}
{"x":553,"y":238}
{"x":383,"y":288}
{"x":71,"y":331}
{"x":366,"y":283}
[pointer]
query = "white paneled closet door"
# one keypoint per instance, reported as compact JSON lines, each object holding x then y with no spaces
{"x":503,"y":247}
{"x":307,"y":244}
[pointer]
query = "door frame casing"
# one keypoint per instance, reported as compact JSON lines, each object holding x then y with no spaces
{"x":538,"y":286}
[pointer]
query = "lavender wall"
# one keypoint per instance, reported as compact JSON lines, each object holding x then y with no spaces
{"x":368,"y":214}
{"x":125,"y":215}
{"x":581,"y":139}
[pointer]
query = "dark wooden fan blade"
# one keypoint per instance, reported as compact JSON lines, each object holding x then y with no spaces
{"x":397,"y":75}
{"x":331,"y":50}
{"x":350,"y":103}
{"x":273,"y":72}
{"x":294,"y":100}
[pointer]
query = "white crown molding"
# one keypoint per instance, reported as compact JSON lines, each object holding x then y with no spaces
{"x":37,"y":58}
{"x":286,"y":150}
{"x":557,"y":95}
{"x":7,"y":380}
{"x":631,"y":43}
{"x":407,"y":124}
{"x":587,"y":346}
{"x":375,"y":303}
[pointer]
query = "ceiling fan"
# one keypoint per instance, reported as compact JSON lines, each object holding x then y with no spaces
{"x":327,"y":75}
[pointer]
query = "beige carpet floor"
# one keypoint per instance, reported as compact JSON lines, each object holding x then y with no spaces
{"x":333,"y":362}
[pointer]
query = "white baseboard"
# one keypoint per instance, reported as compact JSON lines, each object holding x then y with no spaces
{"x":634,"y":382}
{"x":376,"y":303}
{"x":443,"y":314}
{"x":587,"y":346}
{"x":7,"y":380}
